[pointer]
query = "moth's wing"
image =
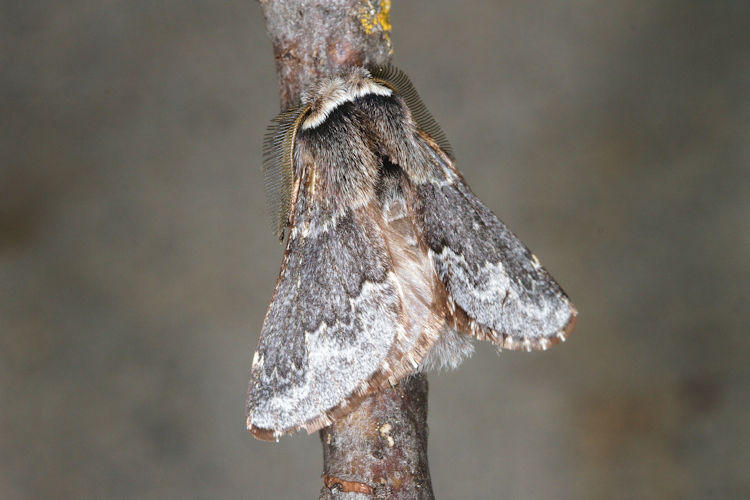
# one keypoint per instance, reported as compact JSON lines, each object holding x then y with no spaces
{"x":332,"y":321}
{"x":357,"y":305}
{"x":492,"y":277}
{"x":497,"y":288}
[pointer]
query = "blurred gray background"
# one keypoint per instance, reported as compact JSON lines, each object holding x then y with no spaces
{"x":136,"y":263}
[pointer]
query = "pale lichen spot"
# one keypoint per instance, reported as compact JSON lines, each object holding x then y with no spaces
{"x":385,"y":431}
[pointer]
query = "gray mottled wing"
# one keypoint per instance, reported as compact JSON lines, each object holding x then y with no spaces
{"x":332,"y":321}
{"x":357,"y":305}
{"x":505,"y":293}
{"x":497,"y":288}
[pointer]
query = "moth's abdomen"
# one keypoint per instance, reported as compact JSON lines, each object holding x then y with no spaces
{"x":431,"y":342}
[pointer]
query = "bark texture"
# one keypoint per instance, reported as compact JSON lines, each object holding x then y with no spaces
{"x":380,"y":449}
{"x":313,"y":38}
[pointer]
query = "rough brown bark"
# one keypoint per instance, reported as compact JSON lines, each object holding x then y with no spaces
{"x":312,"y":38}
{"x":380,"y":449}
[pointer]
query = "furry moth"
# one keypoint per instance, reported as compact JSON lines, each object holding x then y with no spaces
{"x":392,"y":265}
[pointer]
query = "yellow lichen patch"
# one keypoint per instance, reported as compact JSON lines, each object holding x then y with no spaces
{"x":377,"y":18}
{"x":384,"y":16}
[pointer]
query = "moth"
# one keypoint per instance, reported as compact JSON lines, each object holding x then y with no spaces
{"x":392,"y":264}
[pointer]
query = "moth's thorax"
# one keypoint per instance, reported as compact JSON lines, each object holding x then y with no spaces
{"x":330,"y":93}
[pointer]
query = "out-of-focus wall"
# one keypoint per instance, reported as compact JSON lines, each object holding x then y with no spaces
{"x":136,"y":263}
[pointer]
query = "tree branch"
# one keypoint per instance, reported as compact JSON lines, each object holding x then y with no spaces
{"x":314,"y":38}
{"x":379,"y":450}
{"x":381,"y":447}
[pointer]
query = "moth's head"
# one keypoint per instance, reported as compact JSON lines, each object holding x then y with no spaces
{"x":331,"y":92}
